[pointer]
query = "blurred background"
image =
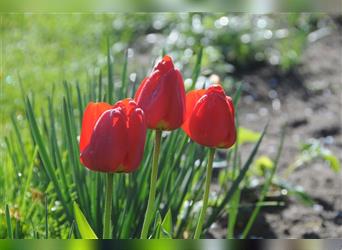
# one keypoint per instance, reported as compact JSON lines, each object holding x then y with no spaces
{"x":289,"y":66}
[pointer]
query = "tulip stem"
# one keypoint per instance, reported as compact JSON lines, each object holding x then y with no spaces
{"x":206,"y":194}
{"x":152,"y":194}
{"x":107,"y":223}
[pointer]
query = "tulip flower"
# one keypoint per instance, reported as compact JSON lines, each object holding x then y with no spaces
{"x":112,"y":140}
{"x":210,"y":117}
{"x":209,"y":121}
{"x":162,"y":96}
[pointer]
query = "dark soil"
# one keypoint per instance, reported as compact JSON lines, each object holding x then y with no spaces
{"x":309,"y":100}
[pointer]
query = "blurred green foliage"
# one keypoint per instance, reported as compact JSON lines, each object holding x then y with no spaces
{"x":45,"y":49}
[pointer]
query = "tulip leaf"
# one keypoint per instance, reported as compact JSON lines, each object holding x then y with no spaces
{"x":110,"y":86}
{"x":157,"y":226}
{"x":163,"y":227}
{"x":197,"y":69}
{"x":82,"y":224}
{"x":9,"y":224}
{"x":124,"y":77}
{"x":166,"y":226}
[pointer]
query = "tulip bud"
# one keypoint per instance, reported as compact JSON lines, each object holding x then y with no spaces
{"x":162,"y":96}
{"x":117,"y":139}
{"x":209,"y":118}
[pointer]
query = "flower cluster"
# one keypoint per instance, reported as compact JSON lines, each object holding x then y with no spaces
{"x":113,"y":136}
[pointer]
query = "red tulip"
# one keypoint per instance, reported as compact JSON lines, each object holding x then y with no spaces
{"x":162,"y":96}
{"x":209,"y":118}
{"x":114,"y":142}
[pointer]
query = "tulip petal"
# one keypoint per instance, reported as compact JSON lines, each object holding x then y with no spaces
{"x":123,"y":104}
{"x":136,"y":139}
{"x":231,"y":137}
{"x":191,"y":99}
{"x":152,"y":99}
{"x":172,"y":112}
{"x":136,"y":132}
{"x":141,"y":86}
{"x":165,"y":65}
{"x":91,"y":114}
{"x":174,"y":116}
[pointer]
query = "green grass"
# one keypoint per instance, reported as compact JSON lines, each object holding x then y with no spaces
{"x":47,"y":49}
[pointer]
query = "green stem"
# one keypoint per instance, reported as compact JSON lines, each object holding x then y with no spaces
{"x":152,"y":194}
{"x":107,"y":231}
{"x":206,"y":194}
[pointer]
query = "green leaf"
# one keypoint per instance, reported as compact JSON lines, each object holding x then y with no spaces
{"x":46,"y":218}
{"x":82,"y":224}
{"x":110,"y":89}
{"x":197,"y":69}
{"x":233,"y":209}
{"x":9,"y":225}
{"x":166,"y":226}
{"x":157,"y":226}
{"x":247,"y":136}
{"x":124,"y":77}
{"x":71,"y":230}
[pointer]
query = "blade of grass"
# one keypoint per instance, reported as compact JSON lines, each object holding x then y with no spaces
{"x":17,"y":228}
{"x":71,"y":230}
{"x":80,"y":102}
{"x":14,"y":159}
{"x":45,"y":157}
{"x":46,"y":218}
{"x":124,"y":93}
{"x":237,"y":96}
{"x":9,"y":225}
{"x":19,"y":139}
{"x":99,"y":97}
{"x":29,"y":177}
{"x":234,"y":206}
{"x":197,"y":69}
{"x":110,"y":89}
